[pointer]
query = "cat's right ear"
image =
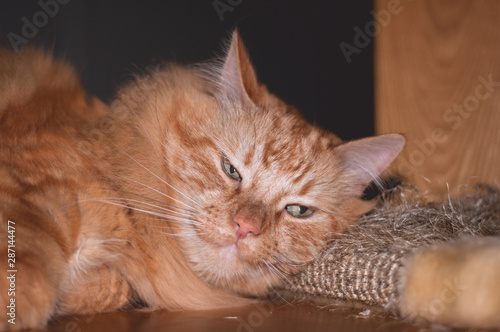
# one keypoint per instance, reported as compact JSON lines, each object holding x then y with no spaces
{"x":237,"y":82}
{"x":363,"y":160}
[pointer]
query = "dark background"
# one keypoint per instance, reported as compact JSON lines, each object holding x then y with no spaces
{"x":294,"y":46}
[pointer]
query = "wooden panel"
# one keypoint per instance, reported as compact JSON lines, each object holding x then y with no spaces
{"x":437,"y":80}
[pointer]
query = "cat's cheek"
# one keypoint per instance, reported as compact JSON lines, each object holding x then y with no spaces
{"x":306,"y":229}
{"x":305,"y":239}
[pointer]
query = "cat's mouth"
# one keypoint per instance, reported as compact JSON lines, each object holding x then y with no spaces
{"x":227,"y":251}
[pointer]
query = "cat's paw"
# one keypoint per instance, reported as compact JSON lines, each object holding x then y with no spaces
{"x":454,"y":284}
{"x":102,"y":289}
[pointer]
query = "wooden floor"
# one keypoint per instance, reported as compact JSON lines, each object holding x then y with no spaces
{"x":265,"y":317}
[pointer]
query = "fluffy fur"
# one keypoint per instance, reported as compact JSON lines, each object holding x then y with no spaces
{"x":134,"y":203}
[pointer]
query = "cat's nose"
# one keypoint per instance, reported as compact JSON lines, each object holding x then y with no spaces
{"x":249,"y":219}
{"x":246,"y":226}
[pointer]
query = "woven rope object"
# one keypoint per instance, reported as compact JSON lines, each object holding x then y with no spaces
{"x":363,"y":264}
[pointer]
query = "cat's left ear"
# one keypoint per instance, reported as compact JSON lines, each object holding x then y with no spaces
{"x":238,"y":82}
{"x":363,"y":160}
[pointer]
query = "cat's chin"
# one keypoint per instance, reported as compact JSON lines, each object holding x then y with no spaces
{"x":229,"y":254}
{"x":224,"y":262}
{"x":222,"y":266}
{"x":229,"y":259}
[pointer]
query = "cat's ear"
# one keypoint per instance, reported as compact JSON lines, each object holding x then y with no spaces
{"x":365,"y":159}
{"x":238,"y":82}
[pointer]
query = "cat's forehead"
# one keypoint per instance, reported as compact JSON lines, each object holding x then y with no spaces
{"x":283,"y":148}
{"x":288,"y":137}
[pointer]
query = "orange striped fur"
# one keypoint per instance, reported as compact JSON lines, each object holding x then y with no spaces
{"x":133,"y":202}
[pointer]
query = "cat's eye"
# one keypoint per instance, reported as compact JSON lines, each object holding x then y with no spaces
{"x":230,"y":170}
{"x":299,"y":211}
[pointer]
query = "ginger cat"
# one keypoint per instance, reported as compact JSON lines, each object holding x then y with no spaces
{"x":195,"y":189}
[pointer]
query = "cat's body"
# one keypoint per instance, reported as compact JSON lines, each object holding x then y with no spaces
{"x":188,"y":192}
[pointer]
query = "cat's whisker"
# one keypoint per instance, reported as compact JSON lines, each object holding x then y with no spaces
{"x":275,"y":276}
{"x":163,"y":181}
{"x":154,"y":206}
{"x":173,"y":208}
{"x":270,"y":285}
{"x":189,"y":211}
{"x":179,"y":220}
{"x":185,"y":220}
{"x":240,"y":275}
{"x":165,"y":217}
{"x":285,"y":275}
{"x":165,"y":195}
{"x":274,"y":269}
{"x":184,"y":232}
{"x":161,"y":212}
{"x":166,"y":183}
{"x":179,"y":235}
{"x":280,"y":273}
{"x":286,"y":260}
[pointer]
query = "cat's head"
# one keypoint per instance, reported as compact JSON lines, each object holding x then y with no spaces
{"x":259,"y":191}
